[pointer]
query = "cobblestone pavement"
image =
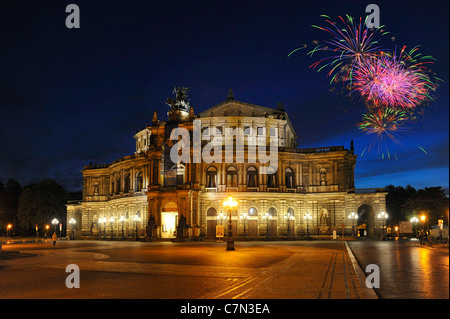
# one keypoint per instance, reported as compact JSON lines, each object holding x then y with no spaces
{"x":407,"y":270}
{"x":203,"y":270}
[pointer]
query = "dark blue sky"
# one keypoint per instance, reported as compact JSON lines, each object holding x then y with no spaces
{"x":71,"y":96}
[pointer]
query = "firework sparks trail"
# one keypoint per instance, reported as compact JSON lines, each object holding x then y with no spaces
{"x":349,"y":45}
{"x":383,"y":123}
{"x":393,"y":87}
{"x":393,"y":81}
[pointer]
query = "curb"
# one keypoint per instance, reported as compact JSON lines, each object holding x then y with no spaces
{"x":369,"y":293}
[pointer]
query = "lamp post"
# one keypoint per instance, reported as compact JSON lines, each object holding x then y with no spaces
{"x":72,"y":223}
{"x":414,"y":221}
{"x":122,"y":220}
{"x":221,"y":217}
{"x":244,"y":216}
{"x":55,"y":222}
{"x":288,"y":217}
{"x":383,"y":216}
{"x":102,"y":221}
{"x":136,"y":219}
{"x":307,"y":217}
{"x":267,"y":217}
{"x":111,"y":222}
{"x":423,"y":218}
{"x":353,"y":216}
{"x":229,"y":204}
{"x":47,"y":227}
{"x":8,"y":228}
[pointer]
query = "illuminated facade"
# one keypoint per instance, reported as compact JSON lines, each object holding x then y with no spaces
{"x":147,"y":194}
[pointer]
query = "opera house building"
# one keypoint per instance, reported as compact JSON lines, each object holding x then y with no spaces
{"x":185,"y":168}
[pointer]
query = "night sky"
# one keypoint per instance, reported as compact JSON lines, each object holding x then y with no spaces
{"x":73,"y":96}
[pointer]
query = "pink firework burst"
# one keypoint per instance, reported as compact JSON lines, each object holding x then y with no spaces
{"x":393,"y":81}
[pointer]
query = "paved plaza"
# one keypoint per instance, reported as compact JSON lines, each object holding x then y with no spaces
{"x":188,"y":270}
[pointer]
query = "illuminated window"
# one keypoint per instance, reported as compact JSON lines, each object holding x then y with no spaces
{"x":252,"y":177}
{"x":289,"y":175}
{"x":232,"y":177}
{"x":211,"y":177}
{"x":271,"y":177}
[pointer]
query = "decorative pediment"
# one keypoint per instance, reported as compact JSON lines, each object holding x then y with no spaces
{"x":237,"y":108}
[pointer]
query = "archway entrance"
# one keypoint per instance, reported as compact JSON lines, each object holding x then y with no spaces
{"x":272,"y":231}
{"x":252,"y":222}
{"x":169,"y":220}
{"x":366,"y":221}
{"x":211,"y":221}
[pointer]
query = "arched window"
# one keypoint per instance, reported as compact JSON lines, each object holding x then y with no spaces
{"x":271,"y":177}
{"x":118,"y":182}
{"x":211,"y":177}
{"x":252,"y":177}
{"x":290,"y":211}
{"x":127,"y":181}
{"x":139,"y":181}
{"x":289,"y":176}
{"x":252,"y":211}
{"x":211,"y":212}
{"x":232,"y":176}
{"x":272,"y":211}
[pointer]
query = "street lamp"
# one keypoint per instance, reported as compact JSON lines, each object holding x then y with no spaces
{"x":8,"y":228}
{"x":244,"y":216}
{"x":111,"y":221}
{"x":55,"y":222}
{"x":424,"y":218}
{"x":122,"y":220}
{"x":267,"y":217}
{"x":229,"y":204}
{"x":136,"y":219}
{"x":307,"y":217}
{"x":383,"y":216}
{"x":414,"y":221}
{"x":353,"y":216}
{"x":102,"y":220}
{"x":288,"y":217}
{"x":221,"y":217}
{"x":72,"y":223}
{"x":47,"y":227}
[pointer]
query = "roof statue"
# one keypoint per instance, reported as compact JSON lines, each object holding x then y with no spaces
{"x":230,"y":94}
{"x":181,"y":101}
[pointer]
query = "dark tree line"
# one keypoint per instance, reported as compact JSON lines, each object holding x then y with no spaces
{"x":36,"y":203}
{"x":403,"y":203}
{"x":9,"y":202}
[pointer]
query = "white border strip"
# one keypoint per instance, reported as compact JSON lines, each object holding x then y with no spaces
{"x":368,"y":292}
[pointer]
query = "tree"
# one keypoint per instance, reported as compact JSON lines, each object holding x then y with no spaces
{"x":40,"y":203}
{"x":2,"y":201}
{"x":395,"y":199}
{"x":402,"y":203}
{"x":9,"y":200}
{"x":430,"y":201}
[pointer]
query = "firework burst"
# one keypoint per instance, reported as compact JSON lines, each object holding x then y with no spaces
{"x":394,"y":87}
{"x":384,"y":124}
{"x":349,"y":45}
{"x":393,"y":81}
